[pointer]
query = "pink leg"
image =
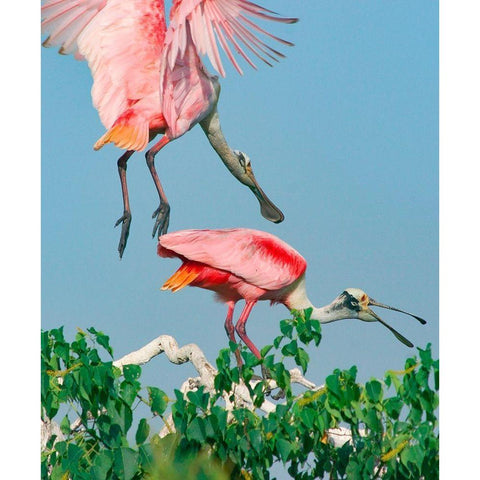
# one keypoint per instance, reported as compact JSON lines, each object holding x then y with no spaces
{"x":230,"y":329}
{"x":126,"y":218}
{"x":240,"y":328}
{"x":162,"y":213}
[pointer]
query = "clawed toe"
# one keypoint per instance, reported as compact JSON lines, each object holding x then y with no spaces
{"x":125,"y":220}
{"x":162,"y":220}
{"x":267,"y":376}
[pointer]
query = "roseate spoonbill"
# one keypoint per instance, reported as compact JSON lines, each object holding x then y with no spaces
{"x":150,"y":80}
{"x":243,"y":263}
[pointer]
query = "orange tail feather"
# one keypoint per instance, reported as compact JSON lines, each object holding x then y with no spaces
{"x":184,"y":276}
{"x":128,"y":137}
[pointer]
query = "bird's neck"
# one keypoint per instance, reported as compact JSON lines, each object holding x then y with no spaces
{"x":298,"y":300}
{"x":211,"y":126}
{"x":327,"y":314}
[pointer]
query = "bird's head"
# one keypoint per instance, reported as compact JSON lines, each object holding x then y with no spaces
{"x":355,"y":303}
{"x":244,"y":173}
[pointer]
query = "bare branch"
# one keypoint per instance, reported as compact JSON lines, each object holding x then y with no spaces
{"x":192,"y":353}
{"x":168,"y":345}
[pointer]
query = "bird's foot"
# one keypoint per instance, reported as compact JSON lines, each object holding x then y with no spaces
{"x":125,"y":220}
{"x":266,"y":372}
{"x":162,"y":219}
{"x":267,"y":376}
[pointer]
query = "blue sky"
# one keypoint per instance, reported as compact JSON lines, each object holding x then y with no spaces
{"x":324,"y":230}
{"x":343,"y":137}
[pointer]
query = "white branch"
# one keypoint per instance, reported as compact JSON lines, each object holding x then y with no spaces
{"x":341,"y":435}
{"x":48,"y":428}
{"x":166,"y":343}
{"x":192,"y":353}
{"x":242,"y":397}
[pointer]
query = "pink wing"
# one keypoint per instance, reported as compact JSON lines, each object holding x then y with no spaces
{"x":122,"y":42}
{"x":259,"y":258}
{"x":227,"y":21}
{"x":186,"y":91}
{"x":64,"y":20}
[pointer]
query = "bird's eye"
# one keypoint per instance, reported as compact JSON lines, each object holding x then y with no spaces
{"x":364,"y":298}
{"x":241,"y":159}
{"x":351,"y":302}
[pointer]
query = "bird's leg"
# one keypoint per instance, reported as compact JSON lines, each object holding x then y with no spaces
{"x":242,"y":333}
{"x":230,"y":329}
{"x":126,"y":218}
{"x":240,"y":328}
{"x":162,"y":213}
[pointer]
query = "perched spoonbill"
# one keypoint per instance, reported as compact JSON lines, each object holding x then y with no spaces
{"x":150,"y":80}
{"x":254,"y":265}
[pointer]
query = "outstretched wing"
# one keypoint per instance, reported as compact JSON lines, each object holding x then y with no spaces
{"x":121,"y":40}
{"x":259,"y":258}
{"x":64,"y":20}
{"x":186,"y":90}
{"x":229,"y":23}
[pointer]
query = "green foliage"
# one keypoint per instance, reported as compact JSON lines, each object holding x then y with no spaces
{"x":393,"y":421}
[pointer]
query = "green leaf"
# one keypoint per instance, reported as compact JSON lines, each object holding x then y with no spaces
{"x":199,"y":398}
{"x":57,"y":334}
{"x":372,"y":421}
{"x":255,"y":438}
{"x":284,"y":447}
{"x":333,"y":384}
{"x":102,"y":465}
{"x":221,"y":416}
{"x":62,"y":349}
{"x":158,"y":400}
{"x":286,"y":328}
{"x":307,"y":313}
{"x":307,"y":415}
{"x":373,"y":389}
{"x":250,"y":359}
{"x":72,"y":458}
{"x":426,"y":356}
{"x":354,"y":470}
{"x":132,"y":373}
{"x":129,"y":392}
{"x":223,"y":359}
{"x":58,"y":473}
{"x":265,"y":350}
{"x":65,"y":425}
{"x":120,"y":414}
{"x":302,"y":359}
{"x":393,"y":407}
{"x":102,"y":339}
{"x":145,"y":453}
{"x":290,"y":349}
{"x":61,"y":447}
{"x":412,"y":455}
{"x":125,"y":463}
{"x":196,"y":430}
{"x":142,"y":431}
{"x":281,"y":375}
{"x":277,"y":341}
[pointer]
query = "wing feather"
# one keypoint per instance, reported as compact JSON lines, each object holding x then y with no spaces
{"x":259,"y":258}
{"x":225,"y":21}
{"x":122,"y":42}
{"x":64,"y":20}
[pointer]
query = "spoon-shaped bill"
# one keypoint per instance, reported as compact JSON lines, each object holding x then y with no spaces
{"x":267,"y":208}
{"x":374,"y":303}
{"x":404,"y":340}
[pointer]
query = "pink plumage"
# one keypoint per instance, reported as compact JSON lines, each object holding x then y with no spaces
{"x":131,"y":54}
{"x":149,"y":79}
{"x":241,"y":263}
{"x":236,"y":264}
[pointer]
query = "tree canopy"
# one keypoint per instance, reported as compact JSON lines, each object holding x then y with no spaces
{"x":99,"y":420}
